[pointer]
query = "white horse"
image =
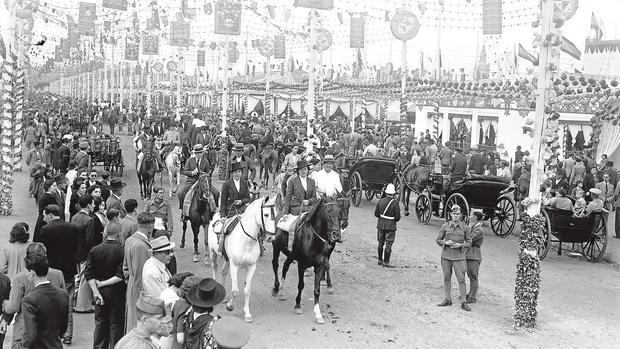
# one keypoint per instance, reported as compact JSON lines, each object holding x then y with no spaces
{"x":173,"y":165}
{"x":242,"y":247}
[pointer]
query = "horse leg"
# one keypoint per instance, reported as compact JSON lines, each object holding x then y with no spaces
{"x":183,"y":235}
{"x":276,"y":291}
{"x":300,"y":288}
{"x":206,"y":237}
{"x":285,"y":266}
{"x":235,"y":288}
{"x":248,"y":291}
{"x":328,"y":278}
{"x":405,"y":199}
{"x":318,"y":272}
{"x":196,"y":232}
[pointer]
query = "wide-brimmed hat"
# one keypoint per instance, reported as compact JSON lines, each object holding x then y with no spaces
{"x":238,"y":147}
{"x":390,"y":190}
{"x":117,"y":184}
{"x":328,"y":158}
{"x":301,"y":164}
{"x":151,"y":305}
{"x":236,"y":166}
{"x":198,"y":148}
{"x":161,"y":244}
{"x":230,"y":333}
{"x":206,"y":293}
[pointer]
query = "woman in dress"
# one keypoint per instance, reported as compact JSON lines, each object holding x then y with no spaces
{"x":101,"y":220}
{"x":78,"y":189}
{"x":12,"y":256}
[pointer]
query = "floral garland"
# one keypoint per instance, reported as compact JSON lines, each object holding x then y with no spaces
{"x":528,"y":271}
{"x":6,"y":136}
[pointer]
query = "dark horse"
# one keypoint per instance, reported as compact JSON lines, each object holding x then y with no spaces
{"x":416,"y":179}
{"x":313,"y":243}
{"x":268,"y":164}
{"x":199,"y":214}
{"x":146,"y":173}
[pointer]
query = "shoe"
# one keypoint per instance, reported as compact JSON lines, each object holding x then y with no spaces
{"x":66,"y":341}
{"x":465,"y":307}
{"x":388,"y":265}
{"x":379,"y":262}
{"x":88,"y":311}
{"x":445,"y":303}
{"x":617,"y":236}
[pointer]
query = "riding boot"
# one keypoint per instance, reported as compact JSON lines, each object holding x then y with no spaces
{"x":220,"y":242}
{"x":380,"y":255}
{"x":386,"y":259}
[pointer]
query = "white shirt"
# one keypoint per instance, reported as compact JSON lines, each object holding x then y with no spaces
{"x":371,"y":150}
{"x":328,"y":183}
{"x":304,"y":182}
{"x":237,"y":185}
{"x":155,"y":277}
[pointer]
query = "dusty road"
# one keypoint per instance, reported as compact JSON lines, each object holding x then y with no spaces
{"x":374,"y":307}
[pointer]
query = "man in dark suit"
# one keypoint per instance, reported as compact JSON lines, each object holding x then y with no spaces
{"x":300,"y":191}
{"x":87,"y":239}
{"x":476,"y":163}
{"x":45,"y":309}
{"x":235,"y":196}
{"x":388,"y":213}
{"x":195,"y":166}
{"x":60,"y":239}
{"x":114,"y":201}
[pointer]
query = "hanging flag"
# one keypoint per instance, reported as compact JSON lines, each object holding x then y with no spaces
{"x":233,"y":52}
{"x":73,"y":34}
{"x":422,"y":72}
{"x":387,"y":16}
{"x":115,"y":4}
{"x":279,"y":46}
{"x":356,"y":34}
{"x":492,"y":17}
{"x":200,"y":59}
{"x":318,"y":4}
{"x":272,"y":11}
{"x":150,"y":45}
{"x":86,"y":19}
{"x":179,"y":34}
{"x":106,"y":26}
{"x":570,"y":48}
{"x":153,"y":22}
{"x":255,"y":43}
{"x":227,"y":17}
{"x":527,"y":56}
{"x":3,"y":48}
{"x":597,"y":26}
{"x":421,"y":7}
{"x":132,"y":51}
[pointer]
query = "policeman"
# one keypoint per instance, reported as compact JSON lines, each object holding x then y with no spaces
{"x":388,"y":213}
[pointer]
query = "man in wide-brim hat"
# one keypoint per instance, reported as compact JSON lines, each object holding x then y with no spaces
{"x":114,"y":200}
{"x":155,"y":275}
{"x":300,"y":190}
{"x":203,"y":297}
{"x":196,"y":165}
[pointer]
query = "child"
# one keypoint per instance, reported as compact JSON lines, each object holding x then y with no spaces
{"x":580,"y":203}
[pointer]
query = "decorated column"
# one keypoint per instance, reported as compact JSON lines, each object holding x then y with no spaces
{"x":6,"y":151}
{"x":404,"y":26}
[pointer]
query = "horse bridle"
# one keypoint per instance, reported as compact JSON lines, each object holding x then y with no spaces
{"x":330,"y":230}
{"x":263,"y":229}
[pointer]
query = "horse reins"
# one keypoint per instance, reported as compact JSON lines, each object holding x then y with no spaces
{"x":261,"y":218}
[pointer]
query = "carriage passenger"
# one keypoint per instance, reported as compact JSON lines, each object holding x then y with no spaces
{"x":300,"y":191}
{"x":327,"y":181}
{"x":560,"y":201}
{"x":597,"y":204}
{"x":580,"y":202}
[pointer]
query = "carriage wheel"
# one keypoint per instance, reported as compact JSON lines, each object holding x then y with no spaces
{"x":369,"y":194}
{"x":356,"y":189}
{"x":423,"y":208}
{"x":546,"y":243}
{"x":594,"y":249}
{"x":457,"y":199}
{"x":503,"y":219}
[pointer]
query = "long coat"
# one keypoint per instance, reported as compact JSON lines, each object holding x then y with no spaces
{"x":61,"y":238}
{"x":295,"y":194}
{"x":136,"y":253}
{"x":45,"y":312}
{"x":230,"y":194}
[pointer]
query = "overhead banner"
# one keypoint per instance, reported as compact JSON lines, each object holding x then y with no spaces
{"x":227,"y":17}
{"x":233,"y":52}
{"x":200,"y":59}
{"x":153,"y":22}
{"x":150,"y":45}
{"x":132,"y":51}
{"x":491,"y":17}
{"x":73,"y":34}
{"x":115,"y":4}
{"x":279,"y":46}
{"x":318,"y":4}
{"x":179,"y":34}
{"x":357,"y":32}
{"x":86,"y":19}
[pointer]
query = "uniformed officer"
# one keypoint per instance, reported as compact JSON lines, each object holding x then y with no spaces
{"x":454,"y":239}
{"x":473,"y":254}
{"x":388,"y":213}
{"x":161,"y":210}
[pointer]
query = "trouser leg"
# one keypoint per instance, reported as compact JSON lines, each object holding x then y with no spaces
{"x":472,"y":274}
{"x":70,"y":284}
{"x":101,"y":335}
{"x":381,"y":240}
{"x":390,"y":236}
{"x":446,"y":266}
{"x":459,"y":272}
{"x":617,"y":221}
{"x":117,"y":321}
{"x":84,"y":300}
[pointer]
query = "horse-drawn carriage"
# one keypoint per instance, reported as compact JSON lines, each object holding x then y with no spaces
{"x":489,"y":193}
{"x":563,"y":227}
{"x":106,"y":152}
{"x":369,"y":175}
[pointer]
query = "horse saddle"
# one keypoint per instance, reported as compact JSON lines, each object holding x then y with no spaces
{"x":227,"y":226}
{"x":290,"y":223}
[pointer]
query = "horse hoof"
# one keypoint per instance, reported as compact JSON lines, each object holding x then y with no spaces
{"x":330,"y":290}
{"x":281,"y":296}
{"x":320,"y":320}
{"x":207,"y":261}
{"x":248,"y":319}
{"x":182,"y":245}
{"x":274,"y":292}
{"x":195,"y":259}
{"x":406,"y":213}
{"x":298,"y":311}
{"x":230,"y":307}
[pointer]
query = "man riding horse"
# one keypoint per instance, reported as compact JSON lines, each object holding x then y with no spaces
{"x":196,"y":165}
{"x":143,"y":144}
{"x":235,"y":198}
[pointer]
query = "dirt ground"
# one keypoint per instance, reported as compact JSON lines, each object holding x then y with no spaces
{"x":374,"y":307}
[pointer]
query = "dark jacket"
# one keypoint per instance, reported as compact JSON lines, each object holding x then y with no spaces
{"x":230,"y":194}
{"x":458,"y":165}
{"x":476,"y":164}
{"x":387,"y":220}
{"x":86,"y":237}
{"x":295,"y":194}
{"x":45,"y":312}
{"x":105,"y":261}
{"x":61,"y":241}
{"x":191,"y":164}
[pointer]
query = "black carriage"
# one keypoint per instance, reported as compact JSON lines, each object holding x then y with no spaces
{"x":106,"y":152}
{"x":491,"y":194}
{"x":589,"y":232}
{"x":369,"y":175}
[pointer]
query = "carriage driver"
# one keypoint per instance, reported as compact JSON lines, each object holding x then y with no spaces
{"x":235,"y":197}
{"x":196,"y":165}
{"x":328,"y":181}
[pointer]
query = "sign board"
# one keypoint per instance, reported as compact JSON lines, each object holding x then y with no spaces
{"x":179,"y":34}
{"x":265,"y":47}
{"x":150,"y":45}
{"x":227,"y":17}
{"x":357,"y":32}
{"x":115,"y":4}
{"x":492,"y":17}
{"x":318,"y":4}
{"x":405,"y":25}
{"x":323,"y":40}
{"x":86,"y":19}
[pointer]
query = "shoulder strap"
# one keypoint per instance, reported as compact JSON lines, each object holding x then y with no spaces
{"x":388,"y":206}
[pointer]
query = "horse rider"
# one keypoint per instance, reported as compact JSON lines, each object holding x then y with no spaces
{"x":195,"y":166}
{"x":235,"y":197}
{"x":328,"y":181}
{"x":172,"y":136}
{"x":300,"y":190}
{"x":238,"y":157}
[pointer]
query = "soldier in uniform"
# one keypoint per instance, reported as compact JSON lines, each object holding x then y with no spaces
{"x":388,"y":213}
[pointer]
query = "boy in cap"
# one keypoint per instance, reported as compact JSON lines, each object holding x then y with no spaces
{"x":152,"y":322}
{"x":454,"y":238}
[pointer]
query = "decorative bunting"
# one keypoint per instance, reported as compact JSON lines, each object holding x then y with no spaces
{"x":132,"y":51}
{"x":227,"y":17}
{"x":318,"y":4}
{"x":86,"y":19}
{"x":272,"y":11}
{"x":115,"y":4}
{"x":492,"y":17}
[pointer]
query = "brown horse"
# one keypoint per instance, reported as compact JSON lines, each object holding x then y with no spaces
{"x":416,"y":178}
{"x":146,"y":173}
{"x":199,"y":214}
{"x":313,"y":243}
{"x":268,"y":164}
